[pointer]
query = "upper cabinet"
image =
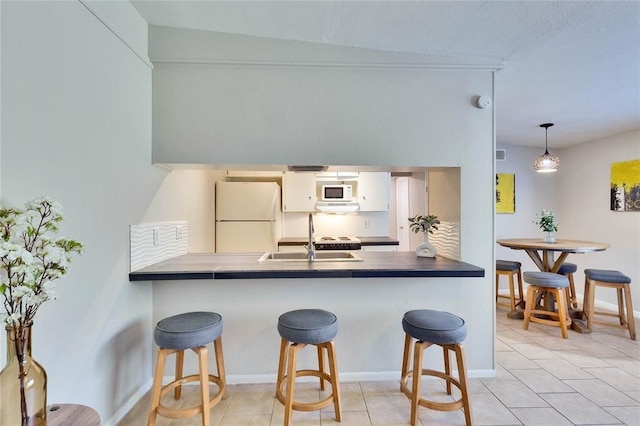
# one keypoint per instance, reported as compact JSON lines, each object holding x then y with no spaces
{"x":373,"y":191}
{"x":299,"y":192}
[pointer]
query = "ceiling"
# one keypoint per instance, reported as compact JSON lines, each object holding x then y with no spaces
{"x":573,"y":63}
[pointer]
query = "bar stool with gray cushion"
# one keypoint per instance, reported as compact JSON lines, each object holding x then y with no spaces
{"x":552,"y":287}
{"x":431,"y":327}
{"x":191,"y":330}
{"x":298,"y":329}
{"x":510,"y":269}
{"x":609,"y":279}
{"x":568,"y":269}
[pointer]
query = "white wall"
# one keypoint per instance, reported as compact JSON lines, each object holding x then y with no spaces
{"x":579,"y":195}
{"x":76,"y":126}
{"x":338,"y":114}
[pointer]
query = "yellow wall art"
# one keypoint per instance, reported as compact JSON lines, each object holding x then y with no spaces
{"x":625,"y":186}
{"x":505,"y":193}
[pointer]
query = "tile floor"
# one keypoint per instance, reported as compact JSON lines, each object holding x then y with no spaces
{"x":542,"y":379}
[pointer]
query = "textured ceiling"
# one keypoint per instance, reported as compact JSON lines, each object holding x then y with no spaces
{"x":574,"y":63}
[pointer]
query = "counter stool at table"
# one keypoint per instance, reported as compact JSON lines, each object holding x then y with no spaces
{"x":298,"y":329}
{"x":510,"y":269}
{"x":610,"y":279}
{"x":547,"y":284}
{"x":192,"y":330}
{"x":568,"y":269}
{"x":430,"y":327}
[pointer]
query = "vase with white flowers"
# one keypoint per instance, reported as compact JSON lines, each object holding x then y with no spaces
{"x":32,"y":257}
{"x":425,"y":224}
{"x":547,"y":222}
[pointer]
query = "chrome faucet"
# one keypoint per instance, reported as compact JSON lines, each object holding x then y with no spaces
{"x":310,"y":251}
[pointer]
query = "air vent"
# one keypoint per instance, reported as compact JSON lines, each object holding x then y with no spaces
{"x":307,"y":168}
{"x":501,"y":154}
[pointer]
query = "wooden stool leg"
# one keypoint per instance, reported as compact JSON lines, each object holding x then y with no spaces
{"x":520,"y":292}
{"x":335,"y":387}
{"x":177,"y":392}
{"x":282,"y":362}
{"x":528,"y":306}
{"x":292,"y":358}
{"x":405,"y":357}
{"x":203,"y":360}
{"x":157,"y":386}
{"x":631,"y":320}
{"x":497,"y":286}
{"x":417,"y":380}
{"x":622,"y":318}
{"x":321,"y":364}
{"x":462,"y":374}
{"x":512,"y":294}
{"x":591,"y":306}
{"x":563,"y":314}
{"x":217,"y":346}
{"x":447,"y":366}
{"x":572,"y":292}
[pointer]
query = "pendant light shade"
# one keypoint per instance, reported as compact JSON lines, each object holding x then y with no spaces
{"x":546,"y":162}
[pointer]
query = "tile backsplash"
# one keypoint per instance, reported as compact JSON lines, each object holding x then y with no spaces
{"x":154,"y":242}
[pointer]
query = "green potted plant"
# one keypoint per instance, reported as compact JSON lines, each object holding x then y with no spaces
{"x":547,"y":222}
{"x":425,"y":224}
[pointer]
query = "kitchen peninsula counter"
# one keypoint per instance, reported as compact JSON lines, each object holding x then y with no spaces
{"x":246,"y":266}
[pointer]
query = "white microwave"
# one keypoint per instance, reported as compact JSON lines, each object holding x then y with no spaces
{"x":337,"y":193}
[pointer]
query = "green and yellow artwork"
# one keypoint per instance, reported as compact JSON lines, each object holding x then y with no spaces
{"x":505,"y":193}
{"x":625,"y":186}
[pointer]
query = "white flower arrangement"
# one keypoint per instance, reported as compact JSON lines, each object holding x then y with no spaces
{"x":31,"y":258}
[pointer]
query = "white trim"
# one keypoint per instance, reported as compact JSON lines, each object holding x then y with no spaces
{"x":116,"y":31}
{"x":374,"y":65}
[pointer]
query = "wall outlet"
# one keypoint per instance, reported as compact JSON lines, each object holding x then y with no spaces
{"x":156,"y":236}
{"x":365,"y":223}
{"x":179,"y":232}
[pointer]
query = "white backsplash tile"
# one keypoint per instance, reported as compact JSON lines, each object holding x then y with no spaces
{"x":154,"y":242}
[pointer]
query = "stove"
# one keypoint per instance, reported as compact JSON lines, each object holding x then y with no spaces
{"x":337,"y":243}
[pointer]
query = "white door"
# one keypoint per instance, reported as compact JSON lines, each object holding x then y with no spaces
{"x":402,"y":213}
{"x":245,"y":237}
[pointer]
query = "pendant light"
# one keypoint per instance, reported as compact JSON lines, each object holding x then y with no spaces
{"x":546,"y":163}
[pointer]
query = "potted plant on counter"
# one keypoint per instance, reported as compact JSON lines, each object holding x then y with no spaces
{"x":547,"y":222}
{"x":425,"y":224}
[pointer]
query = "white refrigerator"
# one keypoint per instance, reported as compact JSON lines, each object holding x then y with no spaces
{"x":247,"y":217}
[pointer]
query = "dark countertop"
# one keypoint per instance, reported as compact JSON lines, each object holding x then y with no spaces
{"x":365,"y":241}
{"x":246,"y":266}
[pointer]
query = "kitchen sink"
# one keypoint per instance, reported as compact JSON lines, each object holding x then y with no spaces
{"x":320,"y":256}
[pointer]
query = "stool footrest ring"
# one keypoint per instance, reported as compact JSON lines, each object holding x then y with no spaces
{"x":441,"y":406}
{"x":181,"y":413}
{"x":306,"y":406}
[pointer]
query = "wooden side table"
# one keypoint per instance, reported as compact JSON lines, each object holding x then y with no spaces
{"x":72,"y":414}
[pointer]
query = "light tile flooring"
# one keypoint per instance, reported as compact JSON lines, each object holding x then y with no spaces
{"x":542,"y":379}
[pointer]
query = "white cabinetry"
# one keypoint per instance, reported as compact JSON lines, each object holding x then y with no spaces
{"x":373,"y":191}
{"x":380,"y":248}
{"x":299,"y":192}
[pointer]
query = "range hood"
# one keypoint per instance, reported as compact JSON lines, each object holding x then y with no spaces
{"x":335,"y":207}
{"x":307,"y":168}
